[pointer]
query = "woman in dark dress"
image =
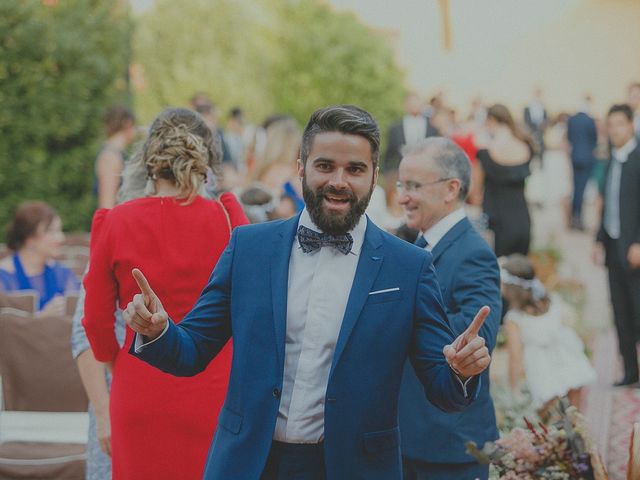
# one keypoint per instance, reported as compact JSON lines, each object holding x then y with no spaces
{"x":504,"y":163}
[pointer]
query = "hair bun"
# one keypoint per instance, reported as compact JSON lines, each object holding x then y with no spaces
{"x":174,"y":152}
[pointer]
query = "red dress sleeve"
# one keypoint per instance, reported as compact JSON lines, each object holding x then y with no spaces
{"x":101,"y":291}
{"x":234,"y":209}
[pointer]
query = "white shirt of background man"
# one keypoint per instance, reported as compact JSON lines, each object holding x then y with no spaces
{"x":414,"y":128}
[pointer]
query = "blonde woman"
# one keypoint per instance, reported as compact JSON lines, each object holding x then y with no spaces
{"x":276,"y":166}
{"x":172,"y":420}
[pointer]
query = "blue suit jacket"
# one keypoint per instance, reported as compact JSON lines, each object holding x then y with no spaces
{"x":469,"y":278}
{"x":246,"y":298}
{"x":583,"y":137}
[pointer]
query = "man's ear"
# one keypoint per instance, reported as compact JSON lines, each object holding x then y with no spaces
{"x":453,"y":190}
{"x":376,"y":172}
{"x":300,"y":166}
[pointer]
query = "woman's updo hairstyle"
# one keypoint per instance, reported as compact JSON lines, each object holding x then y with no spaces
{"x":179,"y":148}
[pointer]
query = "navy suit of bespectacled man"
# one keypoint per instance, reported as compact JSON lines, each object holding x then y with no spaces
{"x":320,"y":333}
{"x":469,"y":277}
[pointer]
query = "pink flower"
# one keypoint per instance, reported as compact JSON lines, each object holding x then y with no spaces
{"x":518,"y":442}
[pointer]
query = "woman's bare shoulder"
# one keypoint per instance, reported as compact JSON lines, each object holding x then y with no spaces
{"x":515,"y":152}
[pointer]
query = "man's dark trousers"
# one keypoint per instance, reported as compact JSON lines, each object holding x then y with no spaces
{"x":417,"y":470}
{"x":289,"y":461}
{"x":624,"y":285}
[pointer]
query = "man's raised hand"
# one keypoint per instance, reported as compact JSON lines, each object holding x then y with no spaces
{"x":467,"y":355}
{"x":145,"y":314}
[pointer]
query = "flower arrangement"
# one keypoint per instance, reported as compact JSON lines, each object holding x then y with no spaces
{"x":561,"y":450}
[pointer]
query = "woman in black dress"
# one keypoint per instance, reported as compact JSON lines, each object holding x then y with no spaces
{"x":504,"y":164}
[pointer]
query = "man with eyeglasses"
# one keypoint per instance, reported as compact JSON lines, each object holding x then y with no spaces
{"x":434,"y":178}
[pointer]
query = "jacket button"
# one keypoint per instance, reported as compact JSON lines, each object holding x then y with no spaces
{"x":276,"y":393}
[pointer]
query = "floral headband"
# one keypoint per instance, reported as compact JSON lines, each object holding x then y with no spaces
{"x":535,"y":285}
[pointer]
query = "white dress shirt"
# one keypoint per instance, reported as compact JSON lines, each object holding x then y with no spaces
{"x":318,"y":291}
{"x":440,"y":229}
{"x":536,"y":112}
{"x":612,"y":204}
{"x":414,"y":128}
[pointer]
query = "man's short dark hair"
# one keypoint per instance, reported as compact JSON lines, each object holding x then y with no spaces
{"x":201,"y":103}
{"x":622,"y":108}
{"x":347,"y":119}
{"x":236,"y":112}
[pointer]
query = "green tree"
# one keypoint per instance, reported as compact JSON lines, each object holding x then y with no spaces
{"x":60,"y":67}
{"x":331,"y":57}
{"x":285,"y":56}
{"x":220,"y":47}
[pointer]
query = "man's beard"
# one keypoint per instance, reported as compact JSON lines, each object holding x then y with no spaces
{"x":334,"y":224}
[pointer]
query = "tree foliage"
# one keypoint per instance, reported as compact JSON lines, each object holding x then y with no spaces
{"x":60,"y":66}
{"x":285,"y":56}
{"x":330,"y":57}
{"x":220,"y":47}
{"x":63,"y":62}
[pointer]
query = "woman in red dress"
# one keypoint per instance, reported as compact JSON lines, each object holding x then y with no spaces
{"x":161,"y":426}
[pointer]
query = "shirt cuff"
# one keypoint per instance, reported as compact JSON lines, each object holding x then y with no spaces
{"x":463,"y":384}
{"x":139,"y":340}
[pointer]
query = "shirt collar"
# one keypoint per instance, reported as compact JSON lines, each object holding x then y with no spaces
{"x":440,"y":229}
{"x":415,"y":119}
{"x":622,"y":154}
{"x":357,"y":233}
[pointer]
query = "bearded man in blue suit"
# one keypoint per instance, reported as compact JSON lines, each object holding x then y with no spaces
{"x":434,"y":178}
{"x":324,"y":310}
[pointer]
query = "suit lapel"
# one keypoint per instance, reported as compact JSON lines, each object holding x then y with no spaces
{"x":369,"y":264}
{"x":282,"y":242}
{"x":403,"y":137}
{"x":450,"y":237}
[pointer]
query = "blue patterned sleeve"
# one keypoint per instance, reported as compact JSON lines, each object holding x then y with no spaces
{"x":72,"y":282}
{"x":79,"y":341}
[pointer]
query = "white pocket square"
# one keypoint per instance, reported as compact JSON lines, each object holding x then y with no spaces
{"x":385,"y":291}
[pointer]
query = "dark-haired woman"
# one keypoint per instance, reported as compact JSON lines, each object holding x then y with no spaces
{"x":35,"y":237}
{"x":504,"y":166}
{"x":120,"y":129}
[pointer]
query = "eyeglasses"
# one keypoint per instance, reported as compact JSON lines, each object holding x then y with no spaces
{"x":412,"y":187}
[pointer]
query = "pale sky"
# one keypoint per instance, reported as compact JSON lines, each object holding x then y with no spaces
{"x":484,"y":32}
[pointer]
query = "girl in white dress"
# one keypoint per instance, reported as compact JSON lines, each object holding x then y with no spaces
{"x":548,"y":352}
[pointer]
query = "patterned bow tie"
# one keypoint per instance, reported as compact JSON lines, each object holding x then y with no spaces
{"x":310,"y":240}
